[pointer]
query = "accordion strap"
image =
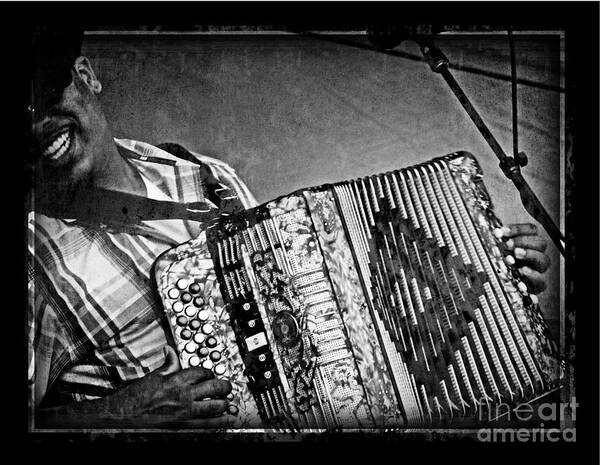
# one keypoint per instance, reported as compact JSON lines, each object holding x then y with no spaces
{"x":120,"y":210}
{"x":101,"y":206}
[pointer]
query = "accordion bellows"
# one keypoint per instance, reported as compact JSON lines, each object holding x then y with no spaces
{"x":378,"y":302}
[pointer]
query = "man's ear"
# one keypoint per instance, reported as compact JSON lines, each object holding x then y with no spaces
{"x":84,"y":70}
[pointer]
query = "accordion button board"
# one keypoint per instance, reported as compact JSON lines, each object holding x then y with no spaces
{"x":382,"y":302}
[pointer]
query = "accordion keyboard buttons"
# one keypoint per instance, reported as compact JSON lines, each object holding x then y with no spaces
{"x":191,"y":311}
{"x":232,"y":409}
{"x":197,"y":343}
{"x":177,"y":307}
{"x":191,"y":347}
{"x":194,"y":288}
{"x":203,"y":352}
{"x":219,"y":369}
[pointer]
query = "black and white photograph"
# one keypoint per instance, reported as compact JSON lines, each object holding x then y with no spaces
{"x":286,"y":227}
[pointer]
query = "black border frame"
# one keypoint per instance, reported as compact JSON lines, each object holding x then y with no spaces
{"x":579,"y":20}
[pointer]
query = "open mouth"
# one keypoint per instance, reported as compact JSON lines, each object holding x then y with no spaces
{"x":59,"y":145}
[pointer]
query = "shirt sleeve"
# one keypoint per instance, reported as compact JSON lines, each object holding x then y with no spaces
{"x":47,"y":342}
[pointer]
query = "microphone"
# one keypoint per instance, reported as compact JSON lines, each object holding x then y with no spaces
{"x":386,"y":37}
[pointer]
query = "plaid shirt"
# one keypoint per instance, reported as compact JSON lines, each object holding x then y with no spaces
{"x":93,"y":318}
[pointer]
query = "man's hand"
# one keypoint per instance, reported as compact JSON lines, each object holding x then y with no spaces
{"x":167,"y":397}
{"x":525,"y":250}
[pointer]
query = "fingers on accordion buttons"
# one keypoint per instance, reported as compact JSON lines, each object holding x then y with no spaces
{"x":520,"y":253}
{"x":522,"y":286}
{"x":232,"y":409}
{"x":534,"y":299}
{"x":509,"y":259}
{"x":504,"y":231}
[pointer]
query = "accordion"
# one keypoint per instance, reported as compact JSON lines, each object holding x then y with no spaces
{"x":381,"y":302}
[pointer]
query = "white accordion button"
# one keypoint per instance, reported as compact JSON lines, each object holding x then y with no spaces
{"x":220,"y":369}
{"x":177,"y":307}
{"x":190,"y":311}
{"x":191,"y":347}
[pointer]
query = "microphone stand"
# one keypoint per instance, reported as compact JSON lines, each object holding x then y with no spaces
{"x":510,"y":166}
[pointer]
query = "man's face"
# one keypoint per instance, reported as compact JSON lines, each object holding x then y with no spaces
{"x":69,"y":136}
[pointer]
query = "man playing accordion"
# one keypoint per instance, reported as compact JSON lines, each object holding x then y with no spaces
{"x":98,"y":356}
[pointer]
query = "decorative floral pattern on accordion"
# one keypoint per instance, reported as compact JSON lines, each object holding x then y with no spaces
{"x":353,"y":306}
{"x":337,"y":396}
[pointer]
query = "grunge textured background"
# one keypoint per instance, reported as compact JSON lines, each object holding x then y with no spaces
{"x":290,"y":111}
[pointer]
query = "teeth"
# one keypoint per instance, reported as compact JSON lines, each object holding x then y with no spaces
{"x":58,"y":147}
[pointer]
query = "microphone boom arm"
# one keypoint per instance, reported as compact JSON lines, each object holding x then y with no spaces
{"x":511,"y":167}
